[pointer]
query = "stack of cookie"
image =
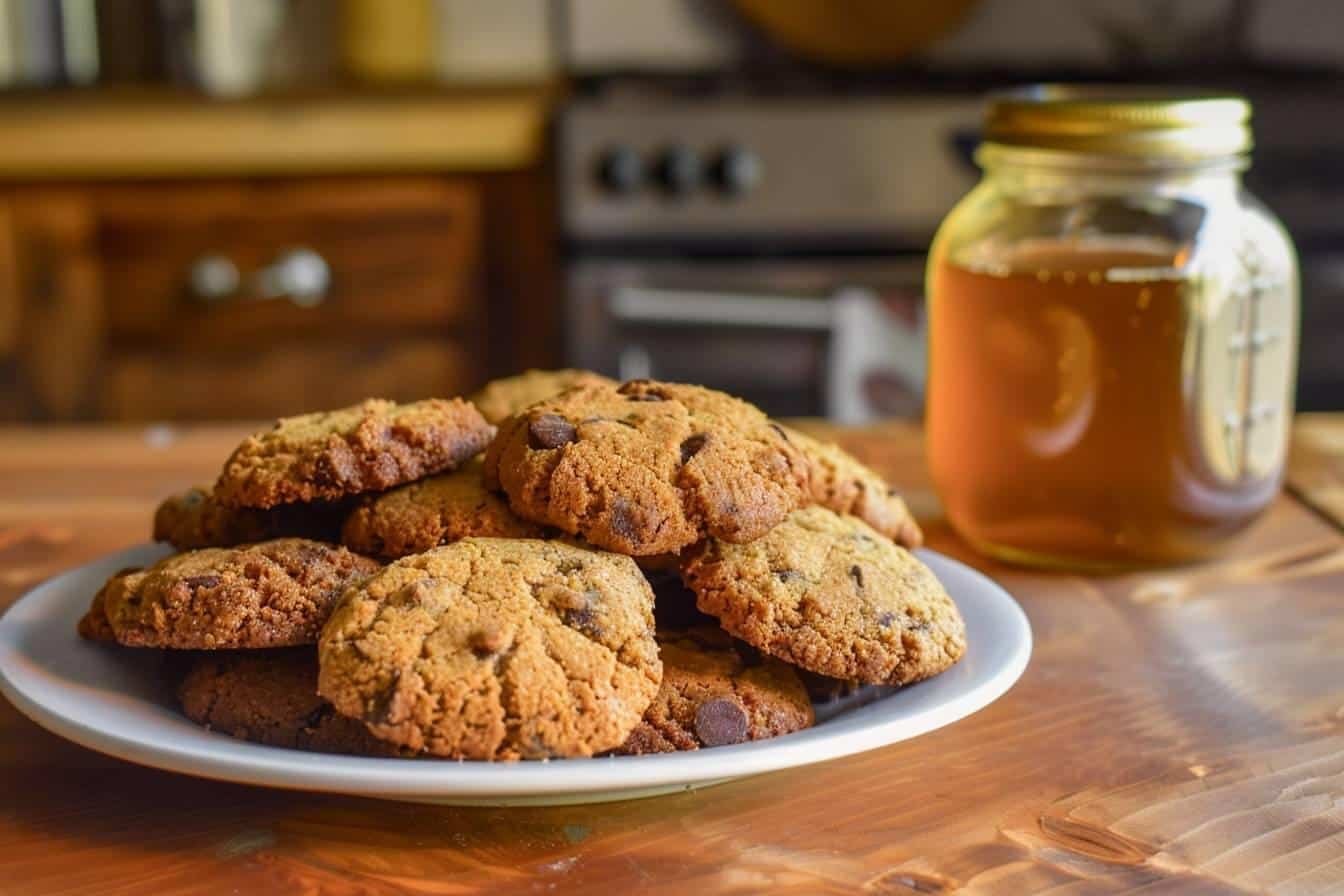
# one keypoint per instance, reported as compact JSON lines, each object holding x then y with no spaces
{"x":631,"y":568}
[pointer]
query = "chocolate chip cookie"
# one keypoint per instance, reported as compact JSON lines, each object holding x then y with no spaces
{"x":842,"y":484}
{"x":648,"y":467}
{"x":368,"y":447}
{"x":195,"y":519}
{"x":502,"y":398}
{"x":828,"y":593}
{"x":716,"y":692}
{"x":496,"y":649}
{"x":270,"y":697}
{"x":273,"y":594}
{"x":94,"y":625}
{"x":439,"y":510}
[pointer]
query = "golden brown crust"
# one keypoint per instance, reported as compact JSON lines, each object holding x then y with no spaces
{"x":829,"y":594}
{"x":841,"y":483}
{"x":367,"y":447}
{"x":500,"y":399}
{"x":273,"y":594}
{"x":439,"y":510}
{"x":647,"y":468}
{"x":270,"y":697}
{"x":94,"y":625}
{"x":496,"y":649}
{"x":716,"y":692}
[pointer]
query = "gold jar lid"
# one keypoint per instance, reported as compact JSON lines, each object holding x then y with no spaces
{"x":1120,"y":121}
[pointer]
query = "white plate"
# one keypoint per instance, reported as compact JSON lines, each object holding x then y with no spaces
{"x":113,"y":700}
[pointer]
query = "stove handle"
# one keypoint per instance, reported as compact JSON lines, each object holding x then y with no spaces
{"x":638,"y":304}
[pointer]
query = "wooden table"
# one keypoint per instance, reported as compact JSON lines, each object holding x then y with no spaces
{"x":1176,"y":731}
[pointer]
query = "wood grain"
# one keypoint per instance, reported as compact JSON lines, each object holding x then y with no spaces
{"x":97,"y":319}
{"x":1316,"y":474}
{"x":61,"y":310}
{"x":145,"y":134}
{"x":1179,"y":730}
{"x":402,"y":254}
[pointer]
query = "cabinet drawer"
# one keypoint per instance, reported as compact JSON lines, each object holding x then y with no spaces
{"x":281,"y":379}
{"x":214,"y":265}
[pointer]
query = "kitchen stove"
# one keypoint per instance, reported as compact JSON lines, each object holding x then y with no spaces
{"x":767,"y":235}
{"x":773,"y":246}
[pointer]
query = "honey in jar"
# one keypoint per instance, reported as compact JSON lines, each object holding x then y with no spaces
{"x":1112,"y":346}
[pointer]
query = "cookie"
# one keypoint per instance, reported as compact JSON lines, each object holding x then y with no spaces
{"x":716,"y":692}
{"x":273,"y":594}
{"x":500,"y":399}
{"x":270,"y":697}
{"x":367,"y":447}
{"x":842,"y":484}
{"x":94,"y":624}
{"x":494,"y":648}
{"x":439,"y":510}
{"x":195,"y":519}
{"x":828,"y":593}
{"x":647,"y":467}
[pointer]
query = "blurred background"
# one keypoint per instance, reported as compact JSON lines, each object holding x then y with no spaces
{"x":247,"y":208}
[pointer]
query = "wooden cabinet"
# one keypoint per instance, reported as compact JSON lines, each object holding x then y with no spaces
{"x":182,"y":300}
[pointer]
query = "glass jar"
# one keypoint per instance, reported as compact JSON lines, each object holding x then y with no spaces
{"x":1113,"y":332}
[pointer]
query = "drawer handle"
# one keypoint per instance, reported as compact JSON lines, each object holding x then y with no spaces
{"x":300,"y":275}
{"x":213,"y":279}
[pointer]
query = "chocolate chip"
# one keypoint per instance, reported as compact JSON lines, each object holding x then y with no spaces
{"x":487,"y":641}
{"x":856,"y":574}
{"x":720,"y":722}
{"x":585,"y":620}
{"x":691,"y":447}
{"x":550,"y":431}
{"x":886,"y":619}
{"x":623,"y":520}
{"x":582,"y":614}
{"x":194,"y":582}
{"x":789,"y":575}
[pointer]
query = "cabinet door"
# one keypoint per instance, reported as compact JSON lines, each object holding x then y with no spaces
{"x":211,"y":300}
{"x":239,"y":264}
{"x":51,"y":305}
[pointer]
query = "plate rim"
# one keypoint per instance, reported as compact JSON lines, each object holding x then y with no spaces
{"x":260,"y":765}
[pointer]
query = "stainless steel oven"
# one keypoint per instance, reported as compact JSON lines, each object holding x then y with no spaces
{"x":834,"y":336}
{"x":773,"y":248}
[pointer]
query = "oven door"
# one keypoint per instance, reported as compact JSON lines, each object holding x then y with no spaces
{"x":842,"y":338}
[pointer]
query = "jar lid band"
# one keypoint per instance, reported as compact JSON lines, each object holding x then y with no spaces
{"x":1115,"y":120}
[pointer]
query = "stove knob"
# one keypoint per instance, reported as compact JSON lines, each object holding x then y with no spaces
{"x":620,"y":170}
{"x":679,"y":170}
{"x":736,"y":170}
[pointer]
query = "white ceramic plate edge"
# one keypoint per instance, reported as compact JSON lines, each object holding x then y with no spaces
{"x":198,"y":752}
